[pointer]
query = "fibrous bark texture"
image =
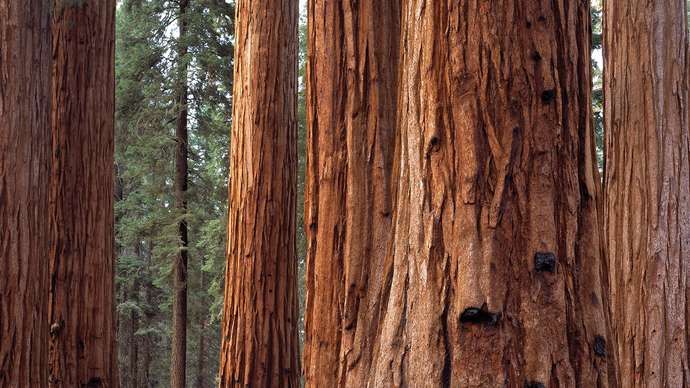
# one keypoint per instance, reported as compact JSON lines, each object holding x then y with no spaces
{"x":496,"y":269}
{"x":24,"y":170}
{"x":647,"y":180}
{"x":178,"y":358}
{"x":351,"y":84}
{"x":260,"y":341}
{"x":81,"y":306}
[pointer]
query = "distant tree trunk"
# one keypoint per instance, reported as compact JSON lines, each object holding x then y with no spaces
{"x":260,"y":340}
{"x":496,"y":269}
{"x":81,"y":308}
{"x":202,"y":315}
{"x":647,"y":208}
{"x":147,"y":340}
{"x":178,"y":363}
{"x":351,"y":86}
{"x":133,"y":328}
{"x":24,"y":170}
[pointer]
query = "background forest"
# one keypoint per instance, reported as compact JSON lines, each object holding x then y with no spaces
{"x":148,"y":83}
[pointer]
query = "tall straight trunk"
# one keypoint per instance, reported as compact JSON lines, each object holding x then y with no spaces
{"x":178,"y":363}
{"x":351,"y":86}
{"x":134,"y":349}
{"x":496,"y":269}
{"x":149,"y":317}
{"x":202,"y":316}
{"x":133,"y":328}
{"x":259,"y":339}
{"x":647,"y":208}
{"x":81,"y":308}
{"x":24,"y":170}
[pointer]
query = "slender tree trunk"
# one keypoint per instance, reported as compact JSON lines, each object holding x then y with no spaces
{"x":24,"y":170}
{"x":647,"y":184}
{"x":260,"y":340}
{"x":178,"y":364}
{"x":81,"y":308}
{"x":202,"y":316}
{"x":201,"y":355}
{"x":147,"y":340}
{"x":134,"y":350}
{"x":134,"y":341}
{"x":352,"y":74}
{"x":496,"y":269}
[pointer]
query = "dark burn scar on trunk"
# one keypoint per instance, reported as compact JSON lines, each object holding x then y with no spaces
{"x":600,"y":346}
{"x":476,"y":315}
{"x":56,"y":328}
{"x":95,"y":382}
{"x":534,"y":384}
{"x":544,"y":262}
{"x":536,"y":56}
{"x":548,"y":95}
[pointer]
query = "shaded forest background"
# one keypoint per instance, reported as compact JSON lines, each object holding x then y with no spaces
{"x":147,"y":239}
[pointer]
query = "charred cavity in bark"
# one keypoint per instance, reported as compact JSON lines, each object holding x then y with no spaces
{"x":536,"y":56}
{"x":548,"y":95}
{"x":544,"y":262}
{"x":434,"y":145}
{"x":95,"y":382}
{"x":534,"y":384}
{"x":479,"y":315}
{"x":55,"y":328}
{"x":600,"y":346}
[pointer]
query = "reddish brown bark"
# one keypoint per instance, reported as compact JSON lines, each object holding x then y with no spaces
{"x":178,"y":359}
{"x":648,"y":189}
{"x":351,"y":86}
{"x":496,"y":269}
{"x":81,"y":307}
{"x":24,"y":170}
{"x":259,"y":340}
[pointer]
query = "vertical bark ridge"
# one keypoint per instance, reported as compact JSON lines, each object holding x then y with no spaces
{"x":259,"y":339}
{"x":496,"y":208}
{"x":24,"y":170}
{"x":648,"y":189}
{"x":351,"y":86}
{"x":81,"y":306}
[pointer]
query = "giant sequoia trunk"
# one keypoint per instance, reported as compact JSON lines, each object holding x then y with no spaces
{"x":647,"y":208}
{"x":24,"y":170}
{"x":352,"y":73}
{"x":260,"y":343}
{"x":81,"y":313}
{"x":178,"y":359}
{"x":496,"y":270}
